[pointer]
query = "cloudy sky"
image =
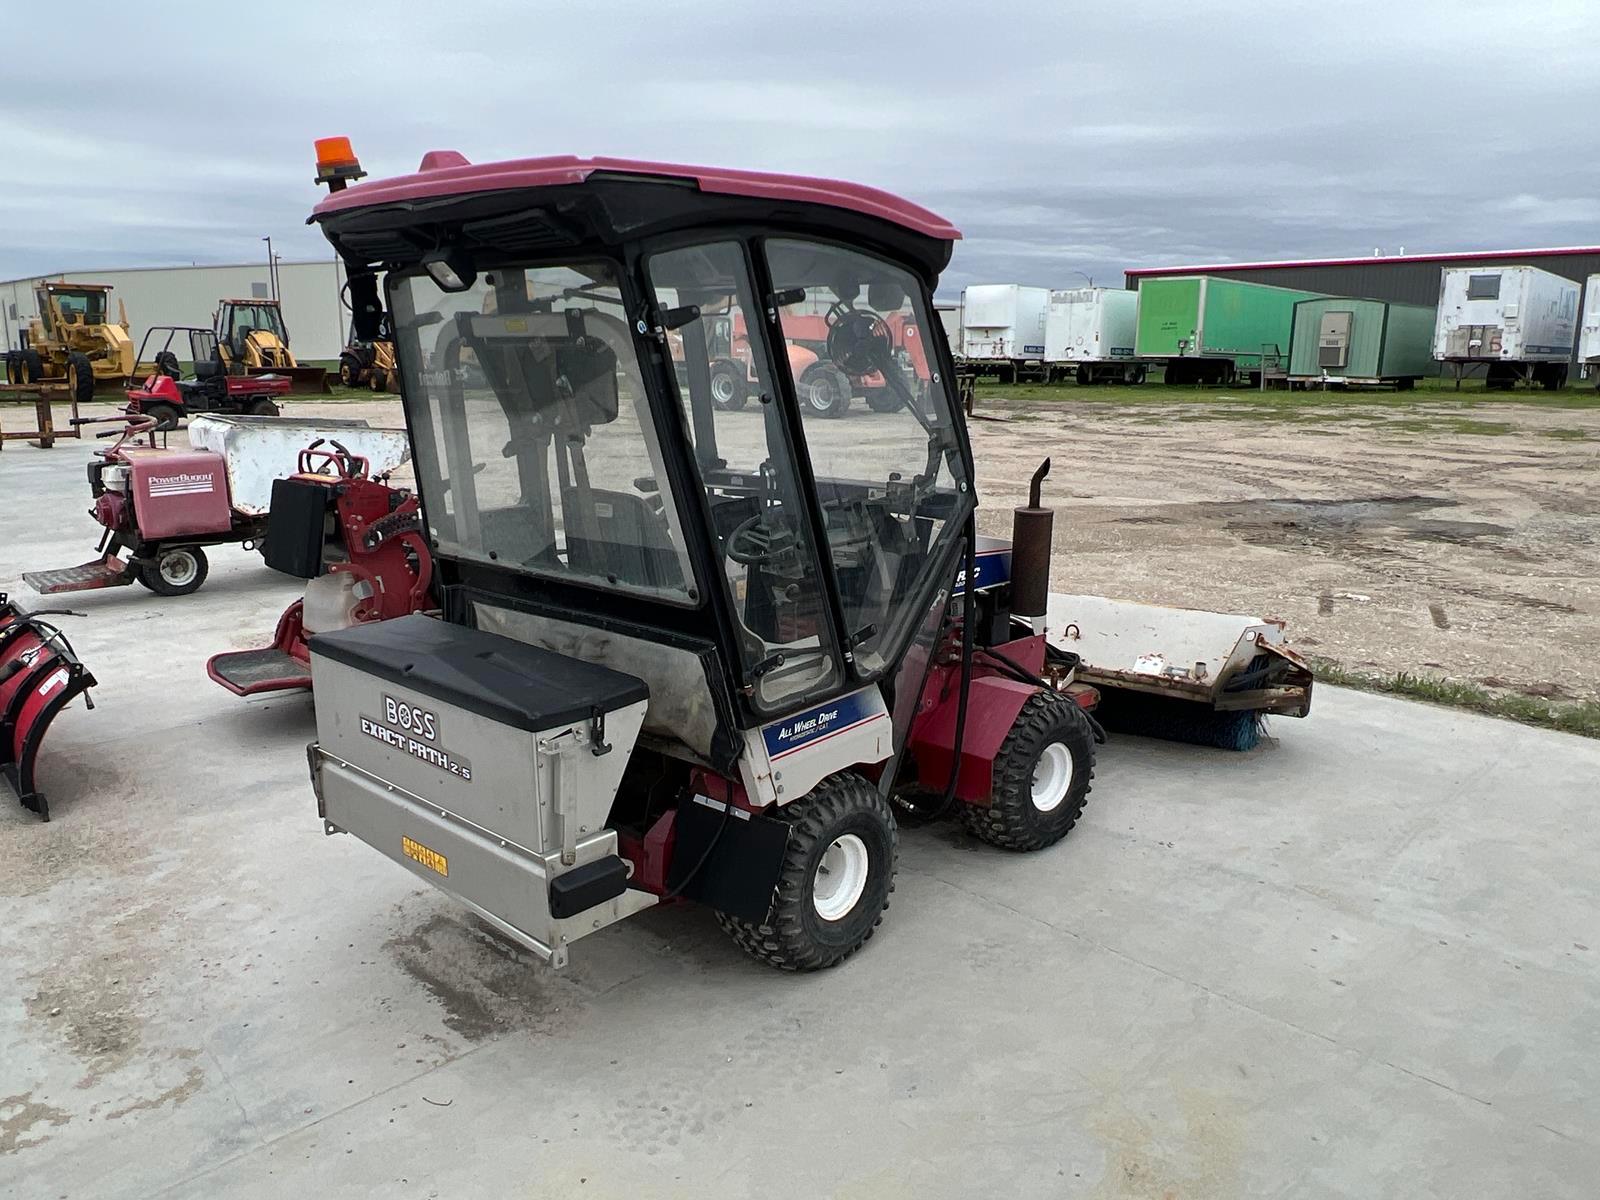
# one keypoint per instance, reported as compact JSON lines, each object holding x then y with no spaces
{"x":1066,"y":139}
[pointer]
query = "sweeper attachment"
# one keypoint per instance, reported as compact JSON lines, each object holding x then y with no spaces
{"x":684,"y":650}
{"x":39,"y":676}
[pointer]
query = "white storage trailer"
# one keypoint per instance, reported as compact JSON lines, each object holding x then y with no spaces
{"x":1589,"y":335}
{"x":1089,"y":333}
{"x":1002,"y":326}
{"x":1520,"y":321}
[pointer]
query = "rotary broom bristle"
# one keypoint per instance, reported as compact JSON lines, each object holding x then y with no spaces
{"x":1174,"y":720}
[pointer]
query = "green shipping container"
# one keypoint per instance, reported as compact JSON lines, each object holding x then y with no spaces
{"x":1203,"y":317}
{"x":1361,"y":341}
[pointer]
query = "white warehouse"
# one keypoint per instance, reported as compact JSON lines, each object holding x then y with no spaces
{"x":316,"y":320}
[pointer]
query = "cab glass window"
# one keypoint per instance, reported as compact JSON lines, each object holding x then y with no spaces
{"x":880,"y":431}
{"x":536,"y":447}
{"x":747,"y":473}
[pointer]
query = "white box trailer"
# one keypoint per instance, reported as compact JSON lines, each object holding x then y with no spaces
{"x":1002,"y":326}
{"x":1520,"y":321}
{"x":1089,"y":333}
{"x":1589,"y":334}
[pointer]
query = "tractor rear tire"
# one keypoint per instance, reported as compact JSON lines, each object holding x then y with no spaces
{"x":1041,"y":777}
{"x":884,"y":400}
{"x":349,"y":371}
{"x":80,"y":377}
{"x":262,"y":407}
{"x":834,"y":886}
{"x":729,"y":387}
{"x":176,"y":571}
{"x":825,"y":390}
{"x":165,"y":416}
{"x":378,"y":380}
{"x":167,"y":364}
{"x":30,"y":367}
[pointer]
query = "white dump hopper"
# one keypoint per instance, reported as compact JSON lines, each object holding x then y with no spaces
{"x":1505,"y":314}
{"x":258,"y":450}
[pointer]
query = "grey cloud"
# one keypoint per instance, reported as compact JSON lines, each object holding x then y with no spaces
{"x":1062,"y":138}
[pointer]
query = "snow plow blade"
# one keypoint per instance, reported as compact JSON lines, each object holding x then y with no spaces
{"x":39,"y":676}
{"x":307,"y":381}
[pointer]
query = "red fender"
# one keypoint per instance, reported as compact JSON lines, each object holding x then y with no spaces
{"x":991,"y":712}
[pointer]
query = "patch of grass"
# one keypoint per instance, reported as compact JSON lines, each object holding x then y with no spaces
{"x":1429,"y":393}
{"x":1446,"y":424}
{"x":1566,"y":435}
{"x":1581,"y":717}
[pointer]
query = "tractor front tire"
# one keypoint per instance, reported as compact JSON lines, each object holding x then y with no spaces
{"x":729,"y":387}
{"x":825,"y":390}
{"x":175,"y":571}
{"x":349,"y":371}
{"x":165,"y":416}
{"x":80,"y":377}
{"x":836,"y":879}
{"x":1041,"y":777}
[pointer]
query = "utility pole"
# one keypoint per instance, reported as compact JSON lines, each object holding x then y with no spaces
{"x":272,"y":268}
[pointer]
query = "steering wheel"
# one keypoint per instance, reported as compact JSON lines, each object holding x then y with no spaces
{"x":858,"y":342}
{"x":768,"y":538}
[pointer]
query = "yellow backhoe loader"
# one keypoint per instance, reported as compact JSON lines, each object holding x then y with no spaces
{"x":368,"y":364}
{"x":253,"y":341}
{"x":71,"y":340}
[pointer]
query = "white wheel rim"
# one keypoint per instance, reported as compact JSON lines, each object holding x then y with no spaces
{"x":820,"y":393}
{"x":841,"y":877}
{"x":721,"y":387}
{"x":1052,"y":777}
{"x":178,"y":569}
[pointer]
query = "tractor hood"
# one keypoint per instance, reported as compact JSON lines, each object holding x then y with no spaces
{"x":560,"y":201}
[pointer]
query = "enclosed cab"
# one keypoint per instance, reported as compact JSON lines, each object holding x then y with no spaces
{"x":1519,"y":323}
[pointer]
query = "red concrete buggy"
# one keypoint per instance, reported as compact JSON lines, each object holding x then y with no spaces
{"x":686,"y":652}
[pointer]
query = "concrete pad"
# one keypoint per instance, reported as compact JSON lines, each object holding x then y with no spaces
{"x":1360,"y":961}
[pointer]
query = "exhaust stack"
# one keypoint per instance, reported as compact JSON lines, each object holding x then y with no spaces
{"x":1031,"y":531}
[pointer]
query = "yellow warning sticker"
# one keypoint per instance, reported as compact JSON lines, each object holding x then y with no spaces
{"x":431,"y":859}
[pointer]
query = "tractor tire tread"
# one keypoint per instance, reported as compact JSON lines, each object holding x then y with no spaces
{"x":1010,"y":821}
{"x":781,"y":940}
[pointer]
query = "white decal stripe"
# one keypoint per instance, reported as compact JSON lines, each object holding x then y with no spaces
{"x":830,"y":734}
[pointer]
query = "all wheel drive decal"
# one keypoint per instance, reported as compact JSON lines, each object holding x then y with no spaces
{"x":824,"y":721}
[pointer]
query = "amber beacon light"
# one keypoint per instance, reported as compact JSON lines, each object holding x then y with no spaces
{"x":337,"y":164}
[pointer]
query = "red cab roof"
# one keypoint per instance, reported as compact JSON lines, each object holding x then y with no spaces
{"x":447,"y":173}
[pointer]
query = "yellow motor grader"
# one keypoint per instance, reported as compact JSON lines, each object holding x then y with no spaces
{"x":71,"y":340}
{"x":252,"y":340}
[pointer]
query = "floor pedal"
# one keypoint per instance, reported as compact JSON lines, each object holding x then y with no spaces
{"x":248,"y":672}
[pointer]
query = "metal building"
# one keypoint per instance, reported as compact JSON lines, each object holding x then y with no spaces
{"x":1411,"y":278}
{"x":309,"y":292}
